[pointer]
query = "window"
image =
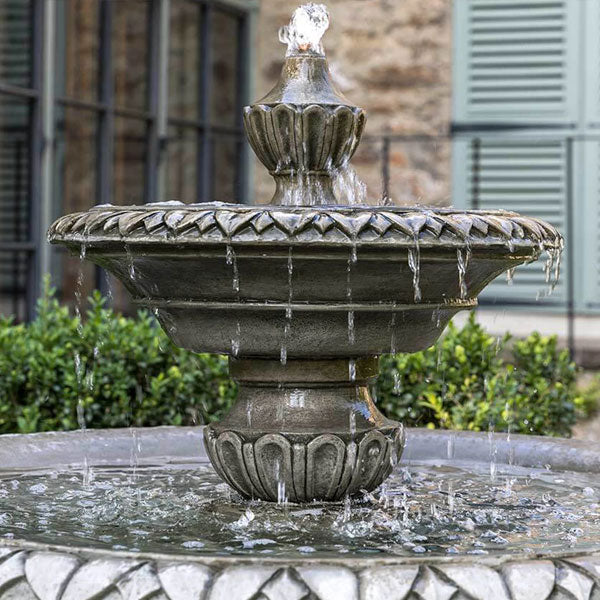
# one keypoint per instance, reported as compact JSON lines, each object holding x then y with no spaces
{"x":120,"y":102}
{"x":526,"y":121}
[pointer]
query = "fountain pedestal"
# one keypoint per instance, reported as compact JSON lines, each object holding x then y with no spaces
{"x":304,"y":430}
{"x":324,"y":286}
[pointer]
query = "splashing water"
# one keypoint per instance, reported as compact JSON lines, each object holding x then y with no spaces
{"x":414,"y":263}
{"x":305,"y":30}
{"x":493,"y":454}
{"x":551,"y":268}
{"x":352,"y":370}
{"x":351,"y":261}
{"x":393,"y":330}
{"x":130,"y":263}
{"x":79,"y":289}
{"x":281,"y":494}
{"x":510,"y":275}
{"x":442,"y":508}
{"x":348,"y":186}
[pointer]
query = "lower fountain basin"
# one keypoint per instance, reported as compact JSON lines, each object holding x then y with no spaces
{"x":148,"y":519}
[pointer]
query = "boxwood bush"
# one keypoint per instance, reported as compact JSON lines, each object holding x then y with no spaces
{"x":106,"y":370}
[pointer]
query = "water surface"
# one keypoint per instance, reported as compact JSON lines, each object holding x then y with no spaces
{"x":423,"y":509}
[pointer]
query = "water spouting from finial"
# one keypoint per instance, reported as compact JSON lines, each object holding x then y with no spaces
{"x":305,"y":30}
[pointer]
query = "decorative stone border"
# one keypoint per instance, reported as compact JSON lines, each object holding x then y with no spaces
{"x":57,"y":574}
{"x":36,"y":571}
{"x":364,"y":225}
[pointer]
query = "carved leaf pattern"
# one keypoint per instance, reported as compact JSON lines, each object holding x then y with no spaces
{"x":196,"y":223}
{"x":315,"y":137}
{"x":325,"y":468}
{"x":60,"y":574}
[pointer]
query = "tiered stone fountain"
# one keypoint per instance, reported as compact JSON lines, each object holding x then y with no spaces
{"x":303,"y":294}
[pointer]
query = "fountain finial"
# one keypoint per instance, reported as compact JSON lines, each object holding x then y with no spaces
{"x":305,"y":30}
{"x":304,"y":129}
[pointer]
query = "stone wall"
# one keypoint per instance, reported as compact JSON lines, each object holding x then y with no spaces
{"x":393,"y":58}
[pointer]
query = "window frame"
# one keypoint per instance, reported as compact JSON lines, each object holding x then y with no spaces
{"x":43,"y":100}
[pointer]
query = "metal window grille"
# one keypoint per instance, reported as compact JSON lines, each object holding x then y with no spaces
{"x":30,"y":46}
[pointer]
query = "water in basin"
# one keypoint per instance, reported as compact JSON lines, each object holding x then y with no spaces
{"x":443,"y":508}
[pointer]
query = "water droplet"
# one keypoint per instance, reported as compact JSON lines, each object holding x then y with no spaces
{"x":510,"y":274}
{"x":235,"y":341}
{"x":352,"y":369}
{"x":462,"y":259}
{"x":414,"y":263}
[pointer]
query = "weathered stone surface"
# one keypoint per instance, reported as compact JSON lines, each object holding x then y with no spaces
{"x":95,"y":578}
{"x":183,"y":581}
{"x":208,"y":223}
{"x":240,"y":583}
{"x":12,"y":569}
{"x":48,"y":573}
{"x":525,"y":579}
{"x":573,"y":583}
{"x":330,"y":582}
{"x":479,"y":582}
{"x":285,"y":584}
{"x":384,"y":583}
{"x":140,"y":584}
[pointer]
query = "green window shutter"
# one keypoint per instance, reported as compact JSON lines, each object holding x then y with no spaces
{"x":513,"y":60}
{"x":516,"y":71}
{"x":525,"y":176}
{"x":587,"y":195}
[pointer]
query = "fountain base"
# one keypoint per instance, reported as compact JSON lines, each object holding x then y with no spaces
{"x":304,"y":430}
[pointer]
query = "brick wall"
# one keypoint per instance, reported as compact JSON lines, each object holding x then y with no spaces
{"x":393,"y":58}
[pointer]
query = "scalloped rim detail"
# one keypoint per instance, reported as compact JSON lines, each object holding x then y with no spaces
{"x":201,"y":224}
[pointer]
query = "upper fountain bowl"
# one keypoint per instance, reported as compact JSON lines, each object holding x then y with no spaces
{"x":227,"y":278}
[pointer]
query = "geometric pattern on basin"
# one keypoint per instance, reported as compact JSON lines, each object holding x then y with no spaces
{"x":322,"y":466}
{"x":252,"y":224}
{"x":58,"y":574}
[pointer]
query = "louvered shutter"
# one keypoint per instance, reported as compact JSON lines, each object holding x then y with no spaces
{"x":513,"y":60}
{"x":514,"y":75}
{"x":15,"y":67}
{"x":587,"y":212}
{"x":524,"y":175}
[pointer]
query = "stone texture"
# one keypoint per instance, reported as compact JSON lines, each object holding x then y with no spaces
{"x":330,"y":582}
{"x":12,"y":569}
{"x":181,"y":581}
{"x":324,"y":468}
{"x":523,"y":581}
{"x":387,"y":582}
{"x":41,"y":574}
{"x":479,"y":582}
{"x":393,"y":59}
{"x":209,"y":224}
{"x":49,"y":572}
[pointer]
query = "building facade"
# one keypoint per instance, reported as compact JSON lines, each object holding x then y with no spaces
{"x":476,"y":103}
{"x":120,"y":102}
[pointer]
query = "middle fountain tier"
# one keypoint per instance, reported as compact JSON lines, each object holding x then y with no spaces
{"x":304,"y":294}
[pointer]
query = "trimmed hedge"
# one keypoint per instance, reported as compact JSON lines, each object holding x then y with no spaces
{"x":61,"y":372}
{"x":463,"y":382}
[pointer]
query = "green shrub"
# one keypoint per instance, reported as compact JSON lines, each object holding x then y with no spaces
{"x":462,"y":382}
{"x":59,"y":372}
